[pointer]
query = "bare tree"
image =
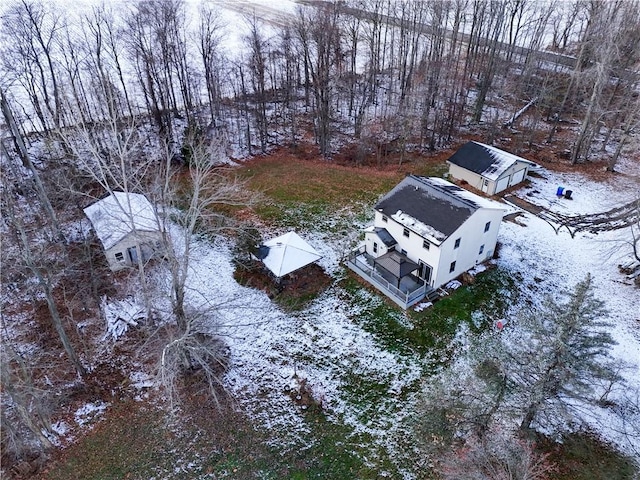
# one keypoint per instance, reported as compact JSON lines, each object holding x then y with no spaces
{"x":39,"y":258}
{"x":158,"y":51}
{"x":257,"y":64}
{"x":499,"y":456}
{"x":209,"y":189}
{"x":288,"y":83}
{"x":490,"y":28}
{"x":319,"y":36}
{"x":209,"y":37}
{"x":195,"y":346}
{"x":32,"y":30}
{"x":102,"y":65}
{"x":24,"y":156}
{"x":26,"y":406}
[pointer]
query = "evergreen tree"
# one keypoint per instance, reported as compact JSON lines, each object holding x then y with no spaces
{"x":561,"y":356}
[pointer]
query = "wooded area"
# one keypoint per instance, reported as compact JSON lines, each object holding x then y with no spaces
{"x":372,"y":75}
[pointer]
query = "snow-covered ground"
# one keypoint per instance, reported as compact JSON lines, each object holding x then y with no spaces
{"x":550,"y":262}
{"x":322,"y":343}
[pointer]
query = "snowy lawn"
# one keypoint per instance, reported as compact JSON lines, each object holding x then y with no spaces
{"x":362,"y":360}
{"x":546,"y":263}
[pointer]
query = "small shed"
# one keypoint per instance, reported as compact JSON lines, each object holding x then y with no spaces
{"x":488,"y":168}
{"x":287,"y":253}
{"x":127,"y":226}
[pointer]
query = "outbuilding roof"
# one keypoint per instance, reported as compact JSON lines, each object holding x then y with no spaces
{"x":432,"y":207}
{"x":488,"y":161}
{"x":288,"y":253}
{"x":119,"y":214}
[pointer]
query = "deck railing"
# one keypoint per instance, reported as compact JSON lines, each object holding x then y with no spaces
{"x":404,"y":299}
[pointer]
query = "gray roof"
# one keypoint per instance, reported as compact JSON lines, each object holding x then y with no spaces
{"x":430,"y":207}
{"x":486,"y":160}
{"x":396,"y":263}
{"x":385,"y":237}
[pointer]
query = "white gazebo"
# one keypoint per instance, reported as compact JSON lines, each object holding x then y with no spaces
{"x":287,"y":253}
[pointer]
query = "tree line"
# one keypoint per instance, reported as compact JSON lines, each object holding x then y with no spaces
{"x":378,"y":74}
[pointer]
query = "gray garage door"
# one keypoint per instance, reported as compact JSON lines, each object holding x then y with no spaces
{"x":502,"y":184}
{"x":518,"y":176}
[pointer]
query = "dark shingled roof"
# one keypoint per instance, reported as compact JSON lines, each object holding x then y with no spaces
{"x":433,"y":204}
{"x":486,"y":160}
{"x":473,"y":156}
{"x":385,"y":237}
{"x":396,"y":263}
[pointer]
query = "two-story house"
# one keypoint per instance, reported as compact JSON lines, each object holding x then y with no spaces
{"x":426,"y":232}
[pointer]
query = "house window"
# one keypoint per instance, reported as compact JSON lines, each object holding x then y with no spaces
{"x":385,"y":219}
{"x":487,"y":226}
{"x":481,"y":250}
{"x":120,"y":257}
{"x":405,"y":232}
{"x":457,"y":243}
{"x":375,"y":247}
{"x":426,"y":245}
{"x":452,"y":267}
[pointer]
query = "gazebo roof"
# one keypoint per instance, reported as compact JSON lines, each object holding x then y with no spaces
{"x":396,"y":264}
{"x":288,"y":253}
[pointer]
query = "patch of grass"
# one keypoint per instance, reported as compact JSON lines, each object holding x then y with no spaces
{"x":285,"y":178}
{"x":300,"y":193}
{"x":337,"y":452}
{"x":124,"y":445}
{"x":431,"y":330}
{"x":133,"y":442}
{"x":582,"y":456}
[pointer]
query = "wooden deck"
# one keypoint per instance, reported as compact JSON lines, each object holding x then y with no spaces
{"x":408,"y":292}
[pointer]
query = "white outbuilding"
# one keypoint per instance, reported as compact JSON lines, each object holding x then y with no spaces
{"x":127,"y":226}
{"x":487,"y":168}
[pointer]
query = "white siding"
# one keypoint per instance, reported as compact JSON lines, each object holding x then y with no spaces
{"x":145,"y":240}
{"x":511,"y":176}
{"x":412,"y":244}
{"x":370,"y":238}
{"x":518,"y":176}
{"x":440,"y":256}
{"x":459,"y":173}
{"x":472,"y":237}
{"x":501,"y":184}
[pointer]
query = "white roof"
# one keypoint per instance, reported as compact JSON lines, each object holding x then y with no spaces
{"x":119,"y":214}
{"x":502,"y":161}
{"x":288,"y":253}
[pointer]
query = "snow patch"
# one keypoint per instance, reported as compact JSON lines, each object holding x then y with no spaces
{"x":120,"y":315}
{"x":453,"y":285}
{"x":90,"y":413}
